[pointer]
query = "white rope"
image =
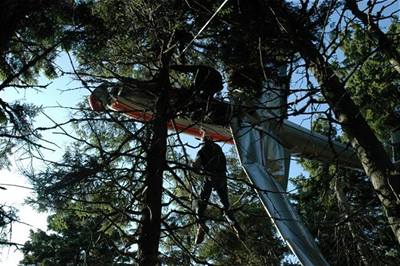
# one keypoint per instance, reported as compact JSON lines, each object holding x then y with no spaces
{"x":205,"y":25}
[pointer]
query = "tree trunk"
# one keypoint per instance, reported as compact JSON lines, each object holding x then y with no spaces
{"x":151,"y":218}
{"x":370,"y":151}
{"x":346,"y":209}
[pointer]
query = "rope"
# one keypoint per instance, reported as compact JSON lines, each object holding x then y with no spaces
{"x":203,"y":28}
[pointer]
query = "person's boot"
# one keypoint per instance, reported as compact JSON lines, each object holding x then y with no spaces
{"x":201,"y":231}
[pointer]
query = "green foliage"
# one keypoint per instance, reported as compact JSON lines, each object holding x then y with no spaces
{"x":16,"y":129}
{"x":222,"y":247}
{"x":74,"y":241}
{"x":341,"y":209}
{"x":34,"y":32}
{"x":339,"y":206}
{"x":8,"y":215}
{"x":374,"y":85}
{"x":340,"y":231}
{"x":96,"y":189}
{"x":92,"y":193}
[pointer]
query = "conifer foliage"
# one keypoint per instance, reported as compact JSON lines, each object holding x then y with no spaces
{"x":124,"y":192}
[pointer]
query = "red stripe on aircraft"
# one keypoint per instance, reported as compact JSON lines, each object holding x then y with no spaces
{"x":179,"y":127}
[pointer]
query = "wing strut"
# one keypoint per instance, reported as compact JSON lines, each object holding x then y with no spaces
{"x":256,"y":149}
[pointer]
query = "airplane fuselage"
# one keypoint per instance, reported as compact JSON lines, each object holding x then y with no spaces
{"x":139,"y":104}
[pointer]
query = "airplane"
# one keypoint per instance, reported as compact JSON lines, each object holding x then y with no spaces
{"x":138,"y":103}
{"x":238,"y":125}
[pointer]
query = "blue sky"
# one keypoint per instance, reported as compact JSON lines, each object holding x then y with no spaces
{"x":60,"y":95}
{"x":57,"y":99}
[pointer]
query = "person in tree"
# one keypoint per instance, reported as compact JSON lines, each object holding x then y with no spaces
{"x":207,"y":81}
{"x":211,"y":162}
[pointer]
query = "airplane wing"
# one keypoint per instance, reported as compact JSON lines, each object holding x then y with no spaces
{"x":251,"y":139}
{"x":181,"y":124}
{"x":254,"y":161}
{"x":312,"y":145}
{"x":298,"y":140}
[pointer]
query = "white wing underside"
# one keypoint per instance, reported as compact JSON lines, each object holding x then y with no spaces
{"x":264,"y":149}
{"x":255,"y":150}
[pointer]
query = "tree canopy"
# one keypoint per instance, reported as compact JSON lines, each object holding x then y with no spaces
{"x":125,"y":192}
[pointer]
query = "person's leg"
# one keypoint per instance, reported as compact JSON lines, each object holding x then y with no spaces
{"x":222,"y":190}
{"x":202,"y":205}
{"x":203,"y":202}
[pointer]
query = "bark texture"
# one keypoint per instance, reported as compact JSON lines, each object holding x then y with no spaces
{"x":345,"y":207}
{"x":376,"y":163}
{"x":150,"y":230}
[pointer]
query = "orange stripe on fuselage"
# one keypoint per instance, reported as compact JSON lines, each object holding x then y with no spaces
{"x":144,"y":117}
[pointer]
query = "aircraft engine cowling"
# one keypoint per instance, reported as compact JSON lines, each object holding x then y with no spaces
{"x":95,"y":104}
{"x":98,"y":99}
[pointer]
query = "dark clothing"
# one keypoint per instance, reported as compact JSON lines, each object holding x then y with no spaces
{"x":207,"y":80}
{"x":212,"y":161}
{"x":220,"y":186}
